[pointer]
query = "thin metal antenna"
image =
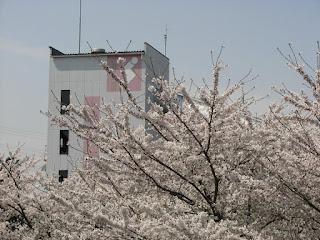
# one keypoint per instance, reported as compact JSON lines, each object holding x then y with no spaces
{"x":165,"y":41}
{"x":110,"y":45}
{"x":80,"y":28}
{"x":89,"y":46}
{"x":128,"y":45}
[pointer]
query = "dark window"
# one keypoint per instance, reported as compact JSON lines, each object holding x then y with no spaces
{"x":62,"y":175}
{"x":64,"y":138}
{"x":65,"y":99}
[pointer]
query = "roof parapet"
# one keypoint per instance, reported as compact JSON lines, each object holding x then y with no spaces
{"x":55,"y":52}
{"x":145,"y":43}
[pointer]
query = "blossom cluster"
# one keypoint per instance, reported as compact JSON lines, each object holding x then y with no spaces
{"x":204,"y":170}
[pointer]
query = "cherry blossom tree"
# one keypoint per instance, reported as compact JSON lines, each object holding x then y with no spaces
{"x":290,"y":146}
{"x":21,"y":205}
{"x":203,"y":170}
{"x":191,"y":161}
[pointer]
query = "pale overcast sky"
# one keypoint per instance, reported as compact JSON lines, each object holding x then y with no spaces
{"x":250,"y":30}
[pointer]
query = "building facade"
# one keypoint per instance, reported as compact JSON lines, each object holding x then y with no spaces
{"x":75,"y":78}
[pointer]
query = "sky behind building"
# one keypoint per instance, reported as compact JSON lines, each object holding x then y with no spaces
{"x":250,"y":30}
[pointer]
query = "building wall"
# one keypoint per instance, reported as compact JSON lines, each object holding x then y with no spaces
{"x":84,"y":78}
{"x":87,"y":82}
{"x":156,"y":65}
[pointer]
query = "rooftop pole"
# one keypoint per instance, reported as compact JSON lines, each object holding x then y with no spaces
{"x":80,"y":27}
{"x":165,"y":41}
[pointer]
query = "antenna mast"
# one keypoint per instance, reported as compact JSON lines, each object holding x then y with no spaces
{"x":165,"y":41}
{"x":80,"y":27}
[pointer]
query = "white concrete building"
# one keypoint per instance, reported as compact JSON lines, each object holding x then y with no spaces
{"x":81,"y":74}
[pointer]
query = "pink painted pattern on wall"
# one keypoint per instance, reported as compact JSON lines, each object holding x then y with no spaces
{"x":133,"y":66}
{"x":88,"y":147}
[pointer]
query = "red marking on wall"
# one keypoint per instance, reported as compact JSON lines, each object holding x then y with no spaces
{"x":88,"y":147}
{"x":133,"y":66}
